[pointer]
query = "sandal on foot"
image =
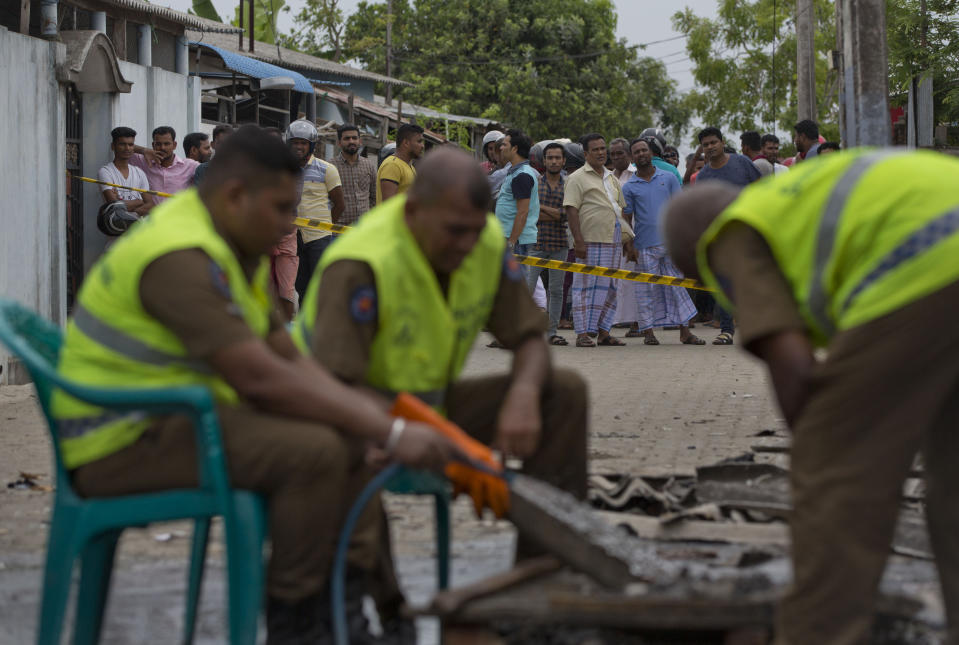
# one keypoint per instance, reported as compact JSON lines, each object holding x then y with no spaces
{"x":610,"y":341}
{"x":556,"y":339}
{"x":650,"y":340}
{"x":693,"y":339}
{"x":634,"y":333}
{"x":585,"y":341}
{"x":724,"y":338}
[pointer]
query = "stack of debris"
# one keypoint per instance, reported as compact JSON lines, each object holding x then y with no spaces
{"x":701,"y":556}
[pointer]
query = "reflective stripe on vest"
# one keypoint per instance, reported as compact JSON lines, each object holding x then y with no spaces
{"x":818,"y":300}
{"x":127,"y":345}
{"x":932,"y":233}
{"x":73,"y":428}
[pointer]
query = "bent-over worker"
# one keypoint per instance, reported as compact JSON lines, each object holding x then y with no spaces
{"x":397,"y":304}
{"x":859,"y":253}
{"x":183,"y":299}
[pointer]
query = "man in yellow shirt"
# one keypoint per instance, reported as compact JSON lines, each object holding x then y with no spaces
{"x":396,"y":173}
{"x":321,"y":197}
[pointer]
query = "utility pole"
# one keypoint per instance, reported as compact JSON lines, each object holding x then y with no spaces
{"x":252,"y":2}
{"x":389,"y":50}
{"x":836,"y":58}
{"x":865,"y":73}
{"x":806,"y":60}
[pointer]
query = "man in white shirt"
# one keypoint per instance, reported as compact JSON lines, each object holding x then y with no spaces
{"x":120,"y":172}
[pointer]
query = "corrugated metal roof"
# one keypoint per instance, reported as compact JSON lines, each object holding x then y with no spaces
{"x":412,"y":110}
{"x":195,"y":23}
{"x":289,"y":58}
{"x":257,"y":68}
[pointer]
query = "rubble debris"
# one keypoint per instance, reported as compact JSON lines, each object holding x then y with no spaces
{"x":28,"y":481}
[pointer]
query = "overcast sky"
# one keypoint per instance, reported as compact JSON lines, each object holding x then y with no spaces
{"x":640,"y":21}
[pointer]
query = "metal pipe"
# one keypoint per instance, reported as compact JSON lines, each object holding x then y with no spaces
{"x":48,"y":18}
{"x":145,"y":45}
{"x":181,"y":56}
{"x":98,"y":21}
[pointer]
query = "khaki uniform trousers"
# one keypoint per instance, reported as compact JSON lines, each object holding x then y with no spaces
{"x":308,"y":472}
{"x":474,"y":404}
{"x":888,"y":389}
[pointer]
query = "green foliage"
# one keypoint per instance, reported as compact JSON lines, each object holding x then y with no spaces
{"x":319,"y":30}
{"x":738,"y":83}
{"x":205,"y":9}
{"x":551,"y":67}
{"x":265,"y":14}
{"x":939,"y":59}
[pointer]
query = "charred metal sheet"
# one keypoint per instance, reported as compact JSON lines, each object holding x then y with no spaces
{"x":761,"y":487}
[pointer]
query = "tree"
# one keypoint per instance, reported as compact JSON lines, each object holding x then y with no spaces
{"x":319,"y":30}
{"x":741,"y":83}
{"x":939,"y":58}
{"x":551,"y":67}
{"x":265,"y":13}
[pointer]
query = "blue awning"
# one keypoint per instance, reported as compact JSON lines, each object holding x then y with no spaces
{"x":257,"y":68}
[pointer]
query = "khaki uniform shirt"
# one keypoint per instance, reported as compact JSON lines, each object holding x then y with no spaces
{"x":184,"y":291}
{"x":744,"y":265}
{"x":341,"y":343}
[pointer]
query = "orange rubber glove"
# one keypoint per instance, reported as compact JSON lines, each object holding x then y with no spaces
{"x":487,"y":489}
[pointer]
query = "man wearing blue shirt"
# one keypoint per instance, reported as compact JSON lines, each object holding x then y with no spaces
{"x":733,"y":169}
{"x":646,"y":193}
{"x":517,"y":205}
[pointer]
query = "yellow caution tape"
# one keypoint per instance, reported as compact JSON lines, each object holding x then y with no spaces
{"x":619,"y":274}
{"x":106,"y":183}
{"x":572,"y":267}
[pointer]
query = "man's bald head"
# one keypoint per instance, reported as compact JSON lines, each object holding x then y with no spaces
{"x":687,"y":217}
{"x":450,"y":169}
{"x":446,"y":207}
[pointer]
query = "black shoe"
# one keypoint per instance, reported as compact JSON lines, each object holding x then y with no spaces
{"x":358,"y":627}
{"x":297,"y":623}
{"x":398,"y":631}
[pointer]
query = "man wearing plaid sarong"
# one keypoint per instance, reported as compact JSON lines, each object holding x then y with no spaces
{"x":594,"y":205}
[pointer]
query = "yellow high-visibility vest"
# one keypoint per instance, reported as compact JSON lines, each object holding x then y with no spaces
{"x":857,"y":234}
{"x":112,"y":342}
{"x":423,"y":336}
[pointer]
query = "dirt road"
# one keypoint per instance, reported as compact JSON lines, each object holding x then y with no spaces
{"x":653,"y":408}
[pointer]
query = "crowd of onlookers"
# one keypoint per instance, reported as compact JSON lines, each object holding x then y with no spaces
{"x":584,"y":201}
{"x":598,"y":203}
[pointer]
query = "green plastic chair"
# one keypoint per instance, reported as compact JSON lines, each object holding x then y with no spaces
{"x":88,"y":528}
{"x":420,"y":482}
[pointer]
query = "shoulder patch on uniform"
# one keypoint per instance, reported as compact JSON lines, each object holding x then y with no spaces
{"x":220,"y":281}
{"x":511,"y":267}
{"x":363,"y":304}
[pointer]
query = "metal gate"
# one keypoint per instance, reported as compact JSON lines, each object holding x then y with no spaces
{"x":74,"y":132}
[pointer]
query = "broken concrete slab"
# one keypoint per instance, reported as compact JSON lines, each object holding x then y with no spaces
{"x":775,"y":534}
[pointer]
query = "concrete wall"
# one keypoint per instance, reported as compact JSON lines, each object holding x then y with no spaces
{"x":32,"y":183}
{"x":158,"y":97}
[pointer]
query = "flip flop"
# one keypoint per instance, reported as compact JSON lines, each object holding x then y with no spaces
{"x":585,"y":341}
{"x":611,"y":341}
{"x":634,"y":333}
{"x":556,"y":339}
{"x":650,"y":340}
